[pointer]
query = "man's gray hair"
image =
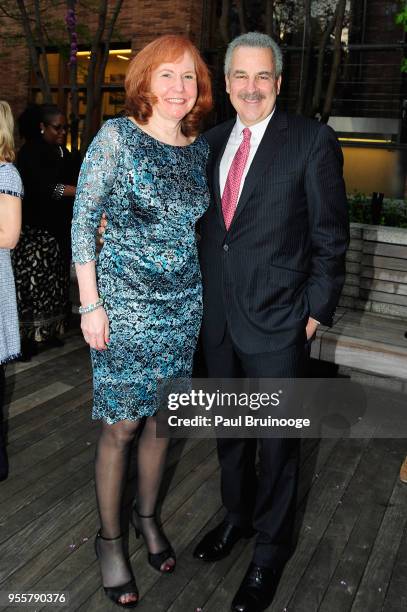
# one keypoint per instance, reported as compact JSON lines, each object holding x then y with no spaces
{"x":255,"y":39}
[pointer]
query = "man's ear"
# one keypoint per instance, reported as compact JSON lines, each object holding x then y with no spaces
{"x":227,"y":83}
{"x":278,"y":84}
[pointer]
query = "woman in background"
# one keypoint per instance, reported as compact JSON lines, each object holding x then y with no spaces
{"x":42,"y":259}
{"x":11,"y":192}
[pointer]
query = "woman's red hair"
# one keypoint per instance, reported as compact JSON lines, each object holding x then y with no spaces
{"x":140,"y":100}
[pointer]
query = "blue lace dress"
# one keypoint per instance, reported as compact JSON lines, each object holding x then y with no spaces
{"x":147,"y":272}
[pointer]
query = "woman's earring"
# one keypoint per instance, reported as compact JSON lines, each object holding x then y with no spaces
{"x":42,"y":131}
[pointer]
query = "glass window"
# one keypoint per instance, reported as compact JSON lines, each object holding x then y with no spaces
{"x":117,"y":65}
{"x":112,"y":103}
{"x":113,"y":95}
{"x":82,"y":62}
{"x":38,"y":98}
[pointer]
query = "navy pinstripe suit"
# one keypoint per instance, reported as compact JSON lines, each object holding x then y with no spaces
{"x":282,"y":261}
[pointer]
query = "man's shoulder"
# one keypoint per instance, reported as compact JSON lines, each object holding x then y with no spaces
{"x":216,"y":133}
{"x":308,"y":126}
{"x":305,"y":128}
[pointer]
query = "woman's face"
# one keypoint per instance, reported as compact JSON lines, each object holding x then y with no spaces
{"x":54,"y":131}
{"x":175,"y":86}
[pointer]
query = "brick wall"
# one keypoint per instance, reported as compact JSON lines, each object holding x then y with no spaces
{"x":139,"y":22}
{"x":152,"y":19}
{"x":14,"y":69}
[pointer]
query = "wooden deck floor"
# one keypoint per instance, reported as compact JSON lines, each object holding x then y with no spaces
{"x":352,"y":537}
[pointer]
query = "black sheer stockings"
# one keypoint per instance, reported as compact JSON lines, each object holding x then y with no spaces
{"x":151,"y":457}
{"x":154,"y":538}
{"x":113,"y":565}
{"x":112,"y":457}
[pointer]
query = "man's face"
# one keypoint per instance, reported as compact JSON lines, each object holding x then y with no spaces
{"x":251,"y":83}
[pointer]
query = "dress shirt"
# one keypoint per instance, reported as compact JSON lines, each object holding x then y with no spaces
{"x":234,"y":142}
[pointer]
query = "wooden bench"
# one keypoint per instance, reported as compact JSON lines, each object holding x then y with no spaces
{"x":371,"y":322}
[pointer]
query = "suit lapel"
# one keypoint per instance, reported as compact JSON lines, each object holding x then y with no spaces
{"x":223,"y":140}
{"x":271,"y":143}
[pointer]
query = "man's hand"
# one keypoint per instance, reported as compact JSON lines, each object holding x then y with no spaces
{"x":102,"y":227}
{"x":311,"y":328}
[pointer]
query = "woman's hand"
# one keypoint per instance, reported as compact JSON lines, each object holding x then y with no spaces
{"x":95,"y":328}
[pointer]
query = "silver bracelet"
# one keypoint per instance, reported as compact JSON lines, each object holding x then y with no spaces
{"x":58,"y":191}
{"x":91,"y":307}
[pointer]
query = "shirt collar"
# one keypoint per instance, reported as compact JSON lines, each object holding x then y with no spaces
{"x":257,"y":129}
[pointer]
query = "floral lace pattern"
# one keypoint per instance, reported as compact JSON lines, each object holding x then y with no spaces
{"x":147,"y":272}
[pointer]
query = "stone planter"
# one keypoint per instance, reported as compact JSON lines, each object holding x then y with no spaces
{"x":376,"y":271}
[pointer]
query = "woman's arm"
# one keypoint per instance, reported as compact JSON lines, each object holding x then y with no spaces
{"x":95,"y":324}
{"x":10,"y":220}
{"x":63,"y":191}
{"x":95,"y":183}
{"x":69,"y":191}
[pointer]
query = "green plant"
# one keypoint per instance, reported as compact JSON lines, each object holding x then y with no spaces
{"x":358,"y":207}
{"x":394,"y":212}
{"x":401,"y":19}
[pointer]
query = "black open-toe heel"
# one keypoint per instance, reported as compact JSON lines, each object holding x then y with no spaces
{"x":155,"y":559}
{"x":114,"y":593}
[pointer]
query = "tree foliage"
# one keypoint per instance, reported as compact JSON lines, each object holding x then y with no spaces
{"x":315,"y":26}
{"x":401,"y":19}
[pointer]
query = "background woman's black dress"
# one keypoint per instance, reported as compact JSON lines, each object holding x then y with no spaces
{"x":42,"y":258}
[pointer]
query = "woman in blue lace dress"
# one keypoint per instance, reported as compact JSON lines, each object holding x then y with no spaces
{"x":141,"y":301}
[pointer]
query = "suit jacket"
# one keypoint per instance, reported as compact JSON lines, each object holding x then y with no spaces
{"x":283,"y":258}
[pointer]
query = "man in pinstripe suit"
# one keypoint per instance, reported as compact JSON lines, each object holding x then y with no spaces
{"x":272,"y":257}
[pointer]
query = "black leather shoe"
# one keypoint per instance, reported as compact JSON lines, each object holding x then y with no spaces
{"x":219,"y":542}
{"x":257,"y":589}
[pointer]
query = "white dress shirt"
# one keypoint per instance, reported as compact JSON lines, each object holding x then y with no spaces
{"x":234,"y":142}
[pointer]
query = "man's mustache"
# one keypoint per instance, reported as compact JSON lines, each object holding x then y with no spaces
{"x":252,"y":97}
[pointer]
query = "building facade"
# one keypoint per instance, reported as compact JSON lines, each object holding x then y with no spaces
{"x":369,"y":110}
{"x":139,"y":22}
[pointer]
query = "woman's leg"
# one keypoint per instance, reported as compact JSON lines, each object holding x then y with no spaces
{"x":3,"y":451}
{"x":151,"y":457}
{"x":112,"y":455}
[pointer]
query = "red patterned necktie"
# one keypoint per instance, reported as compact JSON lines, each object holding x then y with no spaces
{"x":232,"y":186}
